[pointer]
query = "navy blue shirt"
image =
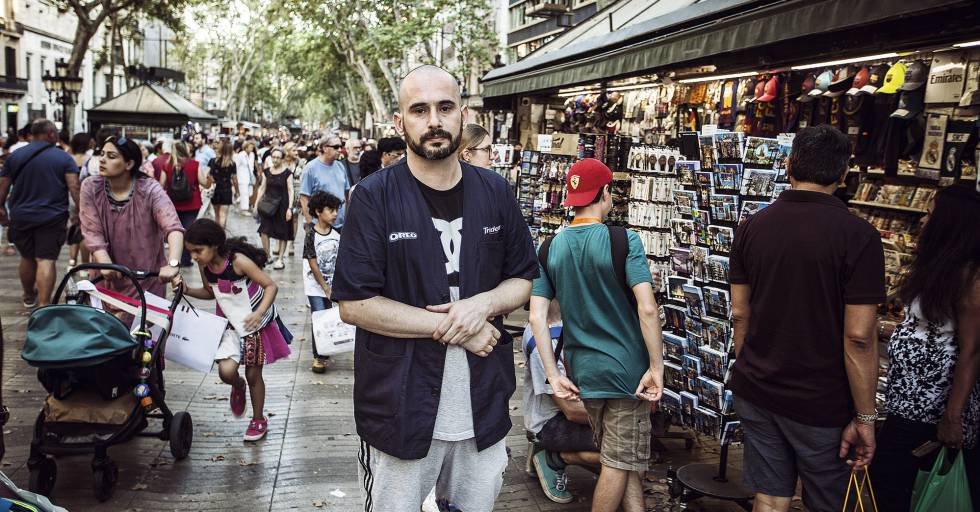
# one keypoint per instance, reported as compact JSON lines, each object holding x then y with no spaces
{"x":390,"y":248}
{"x":39,"y":193}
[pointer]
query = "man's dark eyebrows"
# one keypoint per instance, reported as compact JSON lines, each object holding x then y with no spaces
{"x":424,"y":104}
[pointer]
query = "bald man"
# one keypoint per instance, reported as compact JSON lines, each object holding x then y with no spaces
{"x":434,"y":253}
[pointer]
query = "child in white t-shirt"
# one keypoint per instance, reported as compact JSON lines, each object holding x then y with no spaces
{"x":320,"y":253}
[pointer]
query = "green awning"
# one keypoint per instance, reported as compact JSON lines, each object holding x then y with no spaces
{"x":728,"y":26}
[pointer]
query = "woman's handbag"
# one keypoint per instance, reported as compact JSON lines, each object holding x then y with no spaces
{"x":268,"y":206}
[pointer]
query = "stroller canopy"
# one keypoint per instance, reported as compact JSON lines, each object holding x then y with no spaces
{"x":73,"y":335}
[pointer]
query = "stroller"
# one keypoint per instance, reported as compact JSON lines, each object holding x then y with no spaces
{"x":104,"y":382}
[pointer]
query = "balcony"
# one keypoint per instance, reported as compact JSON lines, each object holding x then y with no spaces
{"x":547,"y":8}
{"x":12,"y":86}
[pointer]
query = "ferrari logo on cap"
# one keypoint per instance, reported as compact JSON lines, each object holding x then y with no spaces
{"x":574,"y":181}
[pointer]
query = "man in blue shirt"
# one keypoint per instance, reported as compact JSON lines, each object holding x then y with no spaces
{"x":325,"y":174}
{"x":42,"y":176}
{"x":434,"y":253}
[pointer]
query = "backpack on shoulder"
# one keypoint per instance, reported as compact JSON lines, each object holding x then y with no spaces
{"x":179,"y":188}
{"x":619,"y":245}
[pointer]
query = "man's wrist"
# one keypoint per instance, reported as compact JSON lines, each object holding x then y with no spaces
{"x":866,"y":418}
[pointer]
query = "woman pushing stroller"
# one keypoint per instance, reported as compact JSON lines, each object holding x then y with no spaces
{"x":231,"y":270}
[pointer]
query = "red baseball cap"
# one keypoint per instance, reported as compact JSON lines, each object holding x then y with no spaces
{"x":771,"y":90}
{"x":584,"y":180}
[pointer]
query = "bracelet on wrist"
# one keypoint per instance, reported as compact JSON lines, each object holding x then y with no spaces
{"x":869,"y":419}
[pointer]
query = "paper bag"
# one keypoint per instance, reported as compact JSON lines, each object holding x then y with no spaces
{"x":194,"y":336}
{"x":331,"y":334}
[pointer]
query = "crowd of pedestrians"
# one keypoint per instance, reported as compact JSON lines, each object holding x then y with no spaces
{"x":425,"y":250}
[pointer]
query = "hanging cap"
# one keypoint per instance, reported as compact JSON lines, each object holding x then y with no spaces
{"x":876,"y":78}
{"x":915,"y":76}
{"x":894,"y":79}
{"x":584,"y":180}
{"x":860,"y":80}
{"x":808,"y":85}
{"x":771,"y":89}
{"x":822,"y":83}
{"x":842,"y":81}
{"x":910,"y":104}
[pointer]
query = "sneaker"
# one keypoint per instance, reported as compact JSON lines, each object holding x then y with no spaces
{"x":320,"y":364}
{"x":256,"y":429}
{"x":30,"y":302}
{"x":553,"y":483}
{"x":237,"y":401}
{"x":279,"y":264}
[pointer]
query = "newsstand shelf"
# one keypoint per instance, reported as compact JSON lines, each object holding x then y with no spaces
{"x":888,"y":206}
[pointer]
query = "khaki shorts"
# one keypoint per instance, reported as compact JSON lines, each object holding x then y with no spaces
{"x":622,"y":432}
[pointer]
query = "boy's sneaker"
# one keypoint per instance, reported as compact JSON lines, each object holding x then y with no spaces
{"x":553,"y":483}
{"x":237,"y":400}
{"x":320,"y":364}
{"x":256,"y":429}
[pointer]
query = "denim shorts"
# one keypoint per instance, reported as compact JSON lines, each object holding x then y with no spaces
{"x":779,"y":450}
{"x":318,"y":303}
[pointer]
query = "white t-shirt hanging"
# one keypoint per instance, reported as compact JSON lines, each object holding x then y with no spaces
{"x":324,"y":249}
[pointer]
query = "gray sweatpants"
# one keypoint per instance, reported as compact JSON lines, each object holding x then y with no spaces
{"x":466,"y":478}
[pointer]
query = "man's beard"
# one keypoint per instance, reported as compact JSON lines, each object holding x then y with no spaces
{"x":439,"y":153}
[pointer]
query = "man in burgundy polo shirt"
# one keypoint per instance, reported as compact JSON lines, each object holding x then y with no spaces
{"x":807,"y":276}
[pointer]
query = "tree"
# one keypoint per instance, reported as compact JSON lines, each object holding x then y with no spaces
{"x":91,"y":14}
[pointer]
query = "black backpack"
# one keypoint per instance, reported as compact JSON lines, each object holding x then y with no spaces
{"x":619,"y":243}
{"x":179,"y":188}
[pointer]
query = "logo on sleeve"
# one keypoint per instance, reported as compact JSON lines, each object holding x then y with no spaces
{"x":402,"y":235}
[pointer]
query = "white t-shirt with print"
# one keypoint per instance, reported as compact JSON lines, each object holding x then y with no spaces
{"x":322,"y":247}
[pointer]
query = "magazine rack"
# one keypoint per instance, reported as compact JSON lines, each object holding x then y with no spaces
{"x":695,"y":481}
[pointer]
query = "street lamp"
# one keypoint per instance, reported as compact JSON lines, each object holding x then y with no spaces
{"x":63,"y":90}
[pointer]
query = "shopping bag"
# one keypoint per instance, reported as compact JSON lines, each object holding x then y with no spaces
{"x":858,"y":488}
{"x":331,"y":334}
{"x":194,"y":334}
{"x":944,"y":488}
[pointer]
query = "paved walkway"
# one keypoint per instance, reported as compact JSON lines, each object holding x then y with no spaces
{"x":307,"y":462}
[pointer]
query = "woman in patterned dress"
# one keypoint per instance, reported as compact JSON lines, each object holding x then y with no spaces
{"x":933,"y":390}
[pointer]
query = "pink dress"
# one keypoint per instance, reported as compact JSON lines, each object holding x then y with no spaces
{"x":132,"y":234}
{"x":237,"y":297}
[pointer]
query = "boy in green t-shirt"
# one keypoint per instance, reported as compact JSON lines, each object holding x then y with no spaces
{"x":613,"y":353}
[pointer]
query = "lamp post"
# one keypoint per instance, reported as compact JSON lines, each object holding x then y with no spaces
{"x":63,"y":90}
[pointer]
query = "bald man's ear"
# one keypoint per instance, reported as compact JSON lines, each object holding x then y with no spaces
{"x":466,"y":112}
{"x":396,"y":119}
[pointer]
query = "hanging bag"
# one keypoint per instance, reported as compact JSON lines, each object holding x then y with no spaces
{"x":944,"y":488}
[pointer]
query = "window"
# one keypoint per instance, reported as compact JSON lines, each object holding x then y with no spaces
{"x":44,"y":65}
{"x":27,"y":66}
{"x":10,"y":62}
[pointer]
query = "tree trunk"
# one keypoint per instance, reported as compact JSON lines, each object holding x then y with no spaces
{"x":389,"y":77}
{"x":378,"y":103}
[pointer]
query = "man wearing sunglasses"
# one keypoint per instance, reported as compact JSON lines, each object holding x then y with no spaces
{"x":325,"y":174}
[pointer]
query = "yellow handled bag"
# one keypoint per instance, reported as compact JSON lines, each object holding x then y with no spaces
{"x":859,"y":489}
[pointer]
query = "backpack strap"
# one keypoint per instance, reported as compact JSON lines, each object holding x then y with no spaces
{"x":543,"y":259}
{"x":13,"y":174}
{"x":619,"y":243}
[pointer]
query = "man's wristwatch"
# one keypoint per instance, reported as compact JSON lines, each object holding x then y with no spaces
{"x":174,"y":263}
{"x":869,"y":419}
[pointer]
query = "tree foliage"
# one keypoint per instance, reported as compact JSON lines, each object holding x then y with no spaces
{"x":330,"y":59}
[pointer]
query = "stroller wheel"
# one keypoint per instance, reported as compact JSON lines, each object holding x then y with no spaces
{"x":104,"y":477}
{"x":43,"y":477}
{"x":181,"y":435}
